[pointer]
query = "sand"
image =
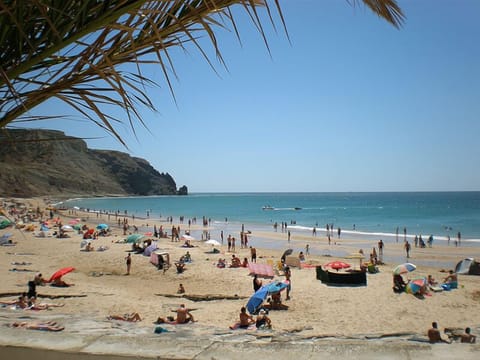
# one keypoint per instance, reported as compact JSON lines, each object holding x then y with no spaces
{"x":320,"y":319}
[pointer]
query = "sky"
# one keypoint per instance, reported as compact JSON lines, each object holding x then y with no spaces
{"x":350,"y":103}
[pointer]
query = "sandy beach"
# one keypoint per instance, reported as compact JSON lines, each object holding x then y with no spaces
{"x":320,"y":320}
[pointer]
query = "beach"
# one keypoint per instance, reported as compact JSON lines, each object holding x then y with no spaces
{"x":320,"y":320}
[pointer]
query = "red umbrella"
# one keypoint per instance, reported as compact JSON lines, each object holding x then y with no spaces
{"x":337,"y":265}
{"x":58,"y":274}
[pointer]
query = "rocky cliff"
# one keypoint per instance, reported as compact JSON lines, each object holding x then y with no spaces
{"x":47,"y":162}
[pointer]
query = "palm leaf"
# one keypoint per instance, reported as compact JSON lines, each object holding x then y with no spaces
{"x":75,"y":50}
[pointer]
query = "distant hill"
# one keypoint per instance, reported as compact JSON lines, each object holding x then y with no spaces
{"x":48,"y":162}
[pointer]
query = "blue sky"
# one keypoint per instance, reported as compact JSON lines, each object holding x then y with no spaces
{"x":351,"y":104}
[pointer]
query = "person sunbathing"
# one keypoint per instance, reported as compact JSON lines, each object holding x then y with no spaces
{"x":47,"y":326}
{"x":58,"y":282}
{"x":275,"y":302}
{"x":20,"y":303}
{"x":33,"y":305}
{"x":133,"y":317}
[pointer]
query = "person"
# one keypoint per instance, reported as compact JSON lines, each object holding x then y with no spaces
{"x":180,"y":265}
{"x":307,"y":249}
{"x":133,"y":317}
{"x":20,"y":303}
{"x":263,"y":321}
{"x":380,"y":248}
{"x":221,"y":263}
{"x":301,"y":257}
{"x":431,"y":281}
{"x":451,"y":279}
{"x":32,"y":305}
{"x":235,"y":262}
{"x":398,"y":283}
{"x":128,"y":263}
{"x":58,"y":282}
{"x":39,"y":280}
{"x":288,"y":276}
{"x":253,"y":254}
{"x":47,"y":326}
{"x":245,"y":319}
{"x":275,"y":302}
{"x":434,"y":334}
{"x":245,"y":262}
{"x":183,"y":315}
{"x":468,"y":337}
{"x":407,"y":248}
{"x":181,"y":289}
{"x":89,"y":247}
{"x":257,"y":283}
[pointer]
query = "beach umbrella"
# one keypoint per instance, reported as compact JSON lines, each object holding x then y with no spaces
{"x":213,"y":242}
{"x":257,"y":299}
{"x":261,"y":294}
{"x":73,"y":222}
{"x":187,"y":237}
{"x":5,"y":223}
{"x":77,"y":226}
{"x":404,"y":268}
{"x":134,"y":238}
{"x":102,"y":227}
{"x":84,"y":243}
{"x":59,"y":273}
{"x":67,"y":228}
{"x":337,"y":265}
{"x":415,"y":285}
{"x":286,"y":253}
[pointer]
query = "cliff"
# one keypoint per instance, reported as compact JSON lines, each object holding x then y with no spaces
{"x":47,"y":162}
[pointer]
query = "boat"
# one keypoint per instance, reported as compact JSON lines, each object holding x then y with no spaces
{"x":297,"y":208}
{"x":267,"y":207}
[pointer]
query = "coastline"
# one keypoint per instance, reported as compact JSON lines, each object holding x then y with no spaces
{"x":321,"y":319}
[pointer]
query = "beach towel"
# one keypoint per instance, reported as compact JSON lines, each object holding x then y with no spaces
{"x":262,"y":270}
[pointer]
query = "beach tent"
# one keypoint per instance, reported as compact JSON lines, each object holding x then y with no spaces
{"x":160,"y":258}
{"x":151,"y":248}
{"x":468,"y":267}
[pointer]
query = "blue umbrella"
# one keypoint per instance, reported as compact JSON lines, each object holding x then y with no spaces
{"x":102,"y":226}
{"x":260,"y":295}
{"x":257,"y":299}
{"x":134,"y":238}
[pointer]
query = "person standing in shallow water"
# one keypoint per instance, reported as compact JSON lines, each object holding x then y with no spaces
{"x":128,"y":263}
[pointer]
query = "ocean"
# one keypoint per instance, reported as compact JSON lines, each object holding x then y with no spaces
{"x":365,"y":215}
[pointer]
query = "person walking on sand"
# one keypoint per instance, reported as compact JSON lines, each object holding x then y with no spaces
{"x":288,"y":278}
{"x":129,"y":263}
{"x":407,"y":248}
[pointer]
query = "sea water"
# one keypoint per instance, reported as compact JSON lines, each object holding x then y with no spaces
{"x":370,"y":216}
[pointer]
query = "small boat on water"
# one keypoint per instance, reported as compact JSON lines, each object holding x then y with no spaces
{"x":297,"y":208}
{"x":267,"y":207}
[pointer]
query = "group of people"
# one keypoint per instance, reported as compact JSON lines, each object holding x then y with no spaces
{"x":434,"y":335}
{"x":449,"y":282}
